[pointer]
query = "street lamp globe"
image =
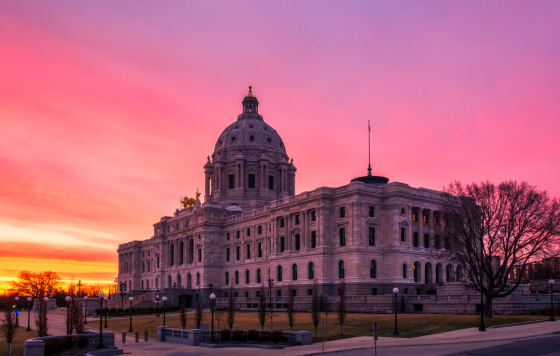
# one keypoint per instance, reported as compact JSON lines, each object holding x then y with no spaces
{"x":106,"y":298}
{"x":551,"y":282}
{"x":395,"y":290}
{"x":101,"y":295}
{"x":16,"y":298}
{"x":131,"y":299}
{"x":46,"y":299}
{"x":85,"y":297}
{"x":29,"y":299}
{"x":157,"y":296}
{"x":212,"y":296}
{"x":68,"y":299}
{"x":164,"y":299}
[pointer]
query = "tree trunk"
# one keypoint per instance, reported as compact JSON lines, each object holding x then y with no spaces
{"x":488,"y":305}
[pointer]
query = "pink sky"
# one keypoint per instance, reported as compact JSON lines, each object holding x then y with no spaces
{"x":108,"y":109}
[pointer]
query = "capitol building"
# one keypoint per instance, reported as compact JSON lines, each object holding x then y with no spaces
{"x":373,"y":234}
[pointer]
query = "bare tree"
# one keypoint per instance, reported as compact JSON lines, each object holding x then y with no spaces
{"x":262,"y":306}
{"x":8,"y":326}
{"x":35,"y":285}
{"x":183,"y":316}
{"x":341,"y":305}
{"x":491,"y":229}
{"x":231,"y":308}
{"x":315,"y":306}
{"x":291,"y":311}
{"x":219,"y":315}
{"x":41,"y":319}
{"x":76,"y":317}
{"x":198,"y":310}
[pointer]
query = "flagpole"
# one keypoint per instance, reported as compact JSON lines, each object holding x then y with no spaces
{"x":369,"y":149}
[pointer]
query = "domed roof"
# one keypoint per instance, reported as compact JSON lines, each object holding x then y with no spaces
{"x":250,"y":131}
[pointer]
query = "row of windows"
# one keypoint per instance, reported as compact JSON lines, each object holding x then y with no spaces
{"x":251,"y":181}
{"x":425,"y":219}
{"x":310,"y":273}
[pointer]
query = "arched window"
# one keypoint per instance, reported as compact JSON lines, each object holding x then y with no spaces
{"x":279,"y":277}
{"x":246,"y":276}
{"x":373,"y":269}
{"x":169,"y":282}
{"x":311,"y":271}
{"x":227,"y":278}
{"x":416,"y":268}
{"x":259,"y":275}
{"x":147,"y":284}
{"x":171,"y":254}
{"x":236,"y":277}
{"x":404,"y":271}
{"x":197,"y":278}
{"x":340,"y":269}
{"x":294,"y":272}
{"x":181,"y":253}
{"x":142,"y":284}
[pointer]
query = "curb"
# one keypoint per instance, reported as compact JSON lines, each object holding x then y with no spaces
{"x":523,"y":323}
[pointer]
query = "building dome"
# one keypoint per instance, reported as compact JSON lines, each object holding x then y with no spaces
{"x":249,"y":132}
{"x":249,"y":165}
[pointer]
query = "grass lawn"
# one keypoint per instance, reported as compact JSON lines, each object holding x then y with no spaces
{"x":17,"y":345}
{"x":410,"y":325}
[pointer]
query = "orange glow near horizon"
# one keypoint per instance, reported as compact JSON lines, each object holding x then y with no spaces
{"x":108,"y":110}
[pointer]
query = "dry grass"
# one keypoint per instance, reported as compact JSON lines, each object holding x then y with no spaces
{"x":410,"y":325}
{"x":17,"y":345}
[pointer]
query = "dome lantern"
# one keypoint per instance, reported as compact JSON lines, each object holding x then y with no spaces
{"x":250,"y":103}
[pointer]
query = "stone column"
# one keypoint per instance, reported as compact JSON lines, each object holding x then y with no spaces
{"x":431,"y":238}
{"x":241,"y":169}
{"x":409,"y":230}
{"x":206,"y":188}
{"x":303,"y":234}
{"x":288,"y":232}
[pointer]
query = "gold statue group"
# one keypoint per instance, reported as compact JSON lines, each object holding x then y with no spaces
{"x":190,"y":201}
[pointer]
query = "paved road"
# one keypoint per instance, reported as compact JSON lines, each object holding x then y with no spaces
{"x":538,"y":346}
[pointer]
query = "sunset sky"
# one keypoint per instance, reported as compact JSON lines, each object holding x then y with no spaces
{"x":108,"y":109}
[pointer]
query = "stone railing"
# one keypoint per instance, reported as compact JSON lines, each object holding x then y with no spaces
{"x":36,"y":346}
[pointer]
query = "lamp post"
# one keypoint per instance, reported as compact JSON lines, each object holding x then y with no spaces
{"x":212,"y":297}
{"x":551,"y":282}
{"x":395,"y":291}
{"x":270,"y":283}
{"x":164,"y":302}
{"x":17,"y":313}
{"x":29,"y":299}
{"x":157,"y":305}
{"x":79,"y":288}
{"x":130,"y":329}
{"x":85,"y":309}
{"x":123,"y":292}
{"x":67,"y":299}
{"x":101,"y":296}
{"x":106,"y":312}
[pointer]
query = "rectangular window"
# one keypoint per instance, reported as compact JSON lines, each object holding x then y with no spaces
{"x":437,"y":242}
{"x":435,"y":220}
{"x":426,"y":240}
{"x":281,"y":243}
{"x":294,"y":292}
{"x":444,"y":222}
{"x":231,"y":181}
{"x":157,"y":262}
{"x":143,"y":267}
{"x":342,"y":235}
{"x":227,"y":254}
{"x":199,"y":255}
{"x":237,"y":253}
{"x":313,"y":239}
{"x":415,"y":240}
{"x":260,"y":249}
{"x":372,"y":236}
{"x":374,"y":291}
{"x":237,"y":234}
{"x":310,"y":291}
{"x":149,"y":269}
{"x":282,"y":223}
{"x":271,"y":182}
{"x":246,"y":294}
{"x":148,"y":253}
{"x":425,"y":218}
{"x":371,"y":211}
{"x":297,"y":242}
{"x":236,"y":293}
{"x":251,"y":181}
{"x":249,"y":232}
{"x":403,"y":234}
{"x":278,"y":293}
{"x":414,"y":217}
{"x":297,"y":219}
{"x":227,"y":236}
{"x":143,"y":254}
{"x":259,"y":229}
{"x":342,"y":212}
{"x":248,"y":252}
{"x":313,"y":216}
